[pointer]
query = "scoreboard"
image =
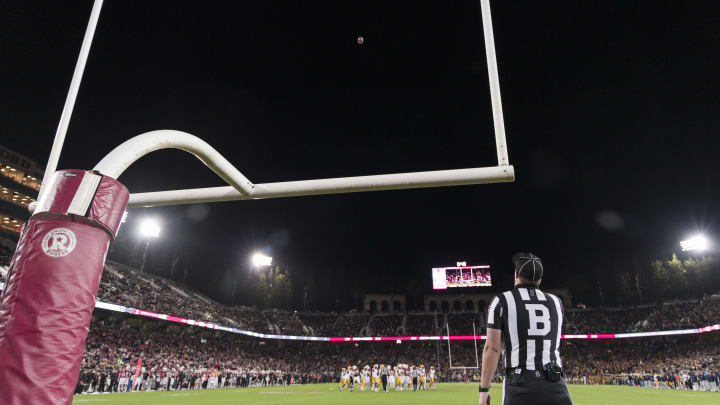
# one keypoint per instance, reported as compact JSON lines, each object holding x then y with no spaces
{"x":461,"y":276}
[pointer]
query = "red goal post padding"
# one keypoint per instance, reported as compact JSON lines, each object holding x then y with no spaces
{"x":52,"y":285}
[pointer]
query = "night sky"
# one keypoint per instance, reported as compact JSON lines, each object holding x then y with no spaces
{"x":611,"y":108}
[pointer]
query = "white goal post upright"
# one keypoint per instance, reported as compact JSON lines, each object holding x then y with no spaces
{"x":71,"y":96}
{"x":495,"y":99}
{"x":477,"y":359}
{"x":240,"y":188}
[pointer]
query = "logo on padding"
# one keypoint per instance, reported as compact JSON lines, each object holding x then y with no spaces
{"x":59,"y":242}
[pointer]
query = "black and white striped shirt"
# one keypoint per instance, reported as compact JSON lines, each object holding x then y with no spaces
{"x":531,"y":325}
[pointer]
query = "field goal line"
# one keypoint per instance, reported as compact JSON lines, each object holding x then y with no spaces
{"x":477,"y":359}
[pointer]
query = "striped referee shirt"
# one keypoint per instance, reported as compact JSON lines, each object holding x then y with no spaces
{"x":531,"y":325}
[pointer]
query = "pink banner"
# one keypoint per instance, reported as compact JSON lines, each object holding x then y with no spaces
{"x":119,"y":308}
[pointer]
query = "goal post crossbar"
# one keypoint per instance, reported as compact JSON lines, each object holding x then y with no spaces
{"x":438,"y":178}
{"x":240,"y":188}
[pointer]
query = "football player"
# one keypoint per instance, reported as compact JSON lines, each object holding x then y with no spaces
{"x":375,"y":378}
{"x":431,"y":376}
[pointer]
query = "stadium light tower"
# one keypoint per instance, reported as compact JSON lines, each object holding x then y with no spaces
{"x":149,"y":229}
{"x":698,"y":243}
{"x":260,"y":260}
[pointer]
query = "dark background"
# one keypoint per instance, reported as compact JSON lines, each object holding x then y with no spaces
{"x":611,"y":109}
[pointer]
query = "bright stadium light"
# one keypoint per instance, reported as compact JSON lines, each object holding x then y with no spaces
{"x":697,"y":243}
{"x":149,"y":228}
{"x":261,"y":260}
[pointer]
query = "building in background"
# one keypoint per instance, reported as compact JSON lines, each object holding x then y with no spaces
{"x":20,"y":179}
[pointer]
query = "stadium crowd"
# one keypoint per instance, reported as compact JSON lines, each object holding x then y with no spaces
{"x":666,"y":316}
{"x":176,"y":357}
{"x":385,"y":325}
{"x":5,"y":256}
{"x":672,"y":362}
{"x":124,"y":286}
{"x":182,"y":357}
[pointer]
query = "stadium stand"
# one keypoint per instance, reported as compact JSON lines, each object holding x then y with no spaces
{"x":179,"y":356}
{"x":5,"y":256}
{"x":385,"y":324}
{"x":285,"y":322}
{"x":672,"y":361}
{"x":319,"y":324}
{"x":604,"y":320}
{"x":123,"y":285}
{"x":420,"y":324}
{"x":462,"y":323}
{"x":352,"y":324}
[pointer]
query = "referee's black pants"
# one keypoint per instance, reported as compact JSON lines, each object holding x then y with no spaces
{"x":536,"y":392}
{"x":383,"y":378}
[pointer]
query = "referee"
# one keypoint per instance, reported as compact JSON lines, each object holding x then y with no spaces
{"x":384,"y":376}
{"x":525,"y":324}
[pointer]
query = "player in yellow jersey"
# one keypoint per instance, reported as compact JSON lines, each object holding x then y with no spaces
{"x":343,"y":379}
{"x":375,"y":378}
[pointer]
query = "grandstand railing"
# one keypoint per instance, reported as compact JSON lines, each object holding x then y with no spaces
{"x":211,"y":325}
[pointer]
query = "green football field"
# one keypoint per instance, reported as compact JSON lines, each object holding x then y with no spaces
{"x":447,"y":394}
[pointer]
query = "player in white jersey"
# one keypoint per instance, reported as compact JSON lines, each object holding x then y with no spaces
{"x":355,"y":377}
{"x":391,"y":378}
{"x":421,"y":377}
{"x":362,"y":378}
{"x":349,"y":378}
{"x":401,"y":377}
{"x":366,"y":378}
{"x":163,"y":380}
{"x":408,"y":377}
{"x":432,"y":377}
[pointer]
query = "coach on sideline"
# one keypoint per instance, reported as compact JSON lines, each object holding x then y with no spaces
{"x":530,"y":323}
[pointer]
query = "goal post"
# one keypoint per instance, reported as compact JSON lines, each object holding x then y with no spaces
{"x":240,"y":188}
{"x":477,"y":358}
{"x":75,"y":203}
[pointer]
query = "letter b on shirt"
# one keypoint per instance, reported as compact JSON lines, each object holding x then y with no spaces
{"x":539,"y":317}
